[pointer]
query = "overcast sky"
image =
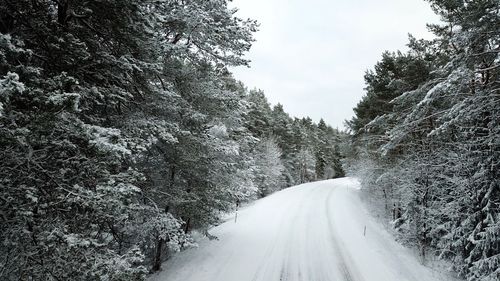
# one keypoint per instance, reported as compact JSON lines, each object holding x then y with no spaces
{"x":311,"y":55}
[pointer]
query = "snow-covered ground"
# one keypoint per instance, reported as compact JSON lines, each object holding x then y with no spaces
{"x":311,"y":232}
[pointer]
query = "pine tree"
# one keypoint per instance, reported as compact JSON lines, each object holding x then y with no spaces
{"x":268,"y":167}
{"x":79,"y":198}
{"x":432,"y":149}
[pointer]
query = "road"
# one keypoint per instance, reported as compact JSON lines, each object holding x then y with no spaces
{"x":311,"y":232}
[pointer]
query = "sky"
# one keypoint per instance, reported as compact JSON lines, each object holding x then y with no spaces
{"x":311,"y":55}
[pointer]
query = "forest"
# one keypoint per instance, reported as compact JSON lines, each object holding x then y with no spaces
{"x":122,"y":129}
{"x":425,"y":139}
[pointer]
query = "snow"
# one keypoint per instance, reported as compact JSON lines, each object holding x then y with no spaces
{"x":218,"y":131}
{"x":10,"y":85}
{"x":60,"y":99}
{"x":311,"y":232}
{"x":107,"y":139}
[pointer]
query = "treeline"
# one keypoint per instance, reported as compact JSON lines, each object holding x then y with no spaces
{"x":308,"y":151}
{"x":121,"y":130}
{"x":426,"y":138}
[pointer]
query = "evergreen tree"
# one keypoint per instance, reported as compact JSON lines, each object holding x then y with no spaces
{"x":268,"y":167}
{"x":432,"y":150}
{"x":79,"y":195}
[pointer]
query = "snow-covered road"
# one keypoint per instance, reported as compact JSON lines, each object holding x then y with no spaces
{"x":311,"y":232}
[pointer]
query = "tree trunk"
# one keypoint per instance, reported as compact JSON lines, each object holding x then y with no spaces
{"x":157,"y":259}
{"x":62,"y":12}
{"x":186,"y":228}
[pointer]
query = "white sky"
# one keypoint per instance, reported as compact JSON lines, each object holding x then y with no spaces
{"x":311,"y":55}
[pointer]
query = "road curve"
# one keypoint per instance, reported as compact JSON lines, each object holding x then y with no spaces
{"x":311,"y":232}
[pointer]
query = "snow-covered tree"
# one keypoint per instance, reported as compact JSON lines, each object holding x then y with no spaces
{"x":268,"y":167}
{"x":79,"y":198}
{"x":435,"y":144}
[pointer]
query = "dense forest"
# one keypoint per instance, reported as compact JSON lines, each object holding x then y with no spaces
{"x":122,"y":130}
{"x":426,"y":138}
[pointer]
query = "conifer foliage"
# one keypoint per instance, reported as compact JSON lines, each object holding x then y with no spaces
{"x":426,"y":138}
{"x":121,"y":130}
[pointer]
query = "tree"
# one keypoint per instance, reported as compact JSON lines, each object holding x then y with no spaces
{"x":432,"y":146}
{"x":78,"y":193}
{"x":268,"y":167}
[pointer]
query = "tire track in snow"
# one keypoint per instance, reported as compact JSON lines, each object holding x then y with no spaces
{"x":269,"y":252}
{"x":281,"y":268}
{"x":285,"y":273}
{"x":284,"y":226}
{"x":309,"y":233}
{"x":342,"y":264}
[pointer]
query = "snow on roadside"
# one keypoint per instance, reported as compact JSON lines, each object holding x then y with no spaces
{"x":375,"y":252}
{"x":311,"y":232}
